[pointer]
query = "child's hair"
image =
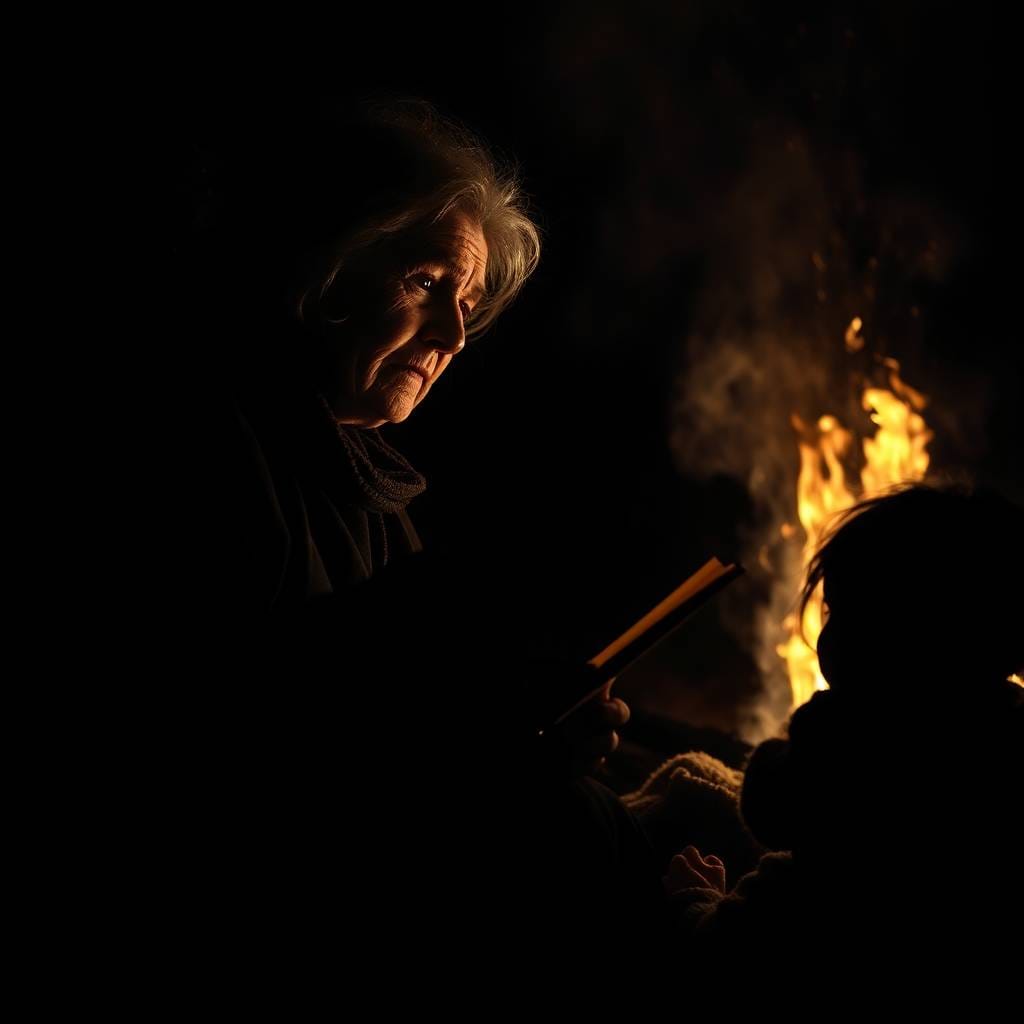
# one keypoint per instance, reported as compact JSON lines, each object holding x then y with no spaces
{"x":941,"y":567}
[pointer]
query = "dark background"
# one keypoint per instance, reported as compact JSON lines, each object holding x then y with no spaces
{"x":721,"y":188}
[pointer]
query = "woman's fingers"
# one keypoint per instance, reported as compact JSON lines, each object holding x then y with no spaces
{"x":615,"y":712}
{"x":598,"y":716}
{"x":593,"y":748}
{"x":590,"y":732}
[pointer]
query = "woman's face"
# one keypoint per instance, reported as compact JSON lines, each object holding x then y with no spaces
{"x":403,"y":330}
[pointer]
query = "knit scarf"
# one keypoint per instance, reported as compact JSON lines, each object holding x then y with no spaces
{"x":382,"y":478}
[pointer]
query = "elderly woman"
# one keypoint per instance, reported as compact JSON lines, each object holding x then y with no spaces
{"x":374,"y":250}
{"x":374,"y":247}
{"x":382,"y":242}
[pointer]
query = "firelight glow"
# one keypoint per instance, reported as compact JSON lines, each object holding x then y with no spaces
{"x":897,"y":453}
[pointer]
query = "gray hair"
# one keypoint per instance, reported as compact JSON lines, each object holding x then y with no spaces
{"x":416,"y":166}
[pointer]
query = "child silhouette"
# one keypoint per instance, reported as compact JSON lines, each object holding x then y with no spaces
{"x":894,"y":799}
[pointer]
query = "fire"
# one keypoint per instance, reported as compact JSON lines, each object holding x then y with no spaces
{"x":896,"y":453}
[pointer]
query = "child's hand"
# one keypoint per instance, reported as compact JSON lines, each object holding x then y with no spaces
{"x":689,"y":870}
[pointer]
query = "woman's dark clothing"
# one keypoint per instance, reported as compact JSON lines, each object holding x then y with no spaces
{"x":379,"y":748}
{"x":310,"y":507}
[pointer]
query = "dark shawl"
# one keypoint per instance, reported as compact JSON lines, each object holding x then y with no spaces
{"x":307,"y":506}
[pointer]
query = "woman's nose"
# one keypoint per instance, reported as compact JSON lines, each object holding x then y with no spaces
{"x":445,"y":331}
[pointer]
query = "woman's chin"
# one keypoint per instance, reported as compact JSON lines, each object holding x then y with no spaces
{"x":396,"y":407}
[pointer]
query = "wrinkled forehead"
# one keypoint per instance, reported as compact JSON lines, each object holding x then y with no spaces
{"x":455,"y":242}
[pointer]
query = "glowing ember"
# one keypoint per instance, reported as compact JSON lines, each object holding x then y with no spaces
{"x":854,"y":342}
{"x":897,"y":453}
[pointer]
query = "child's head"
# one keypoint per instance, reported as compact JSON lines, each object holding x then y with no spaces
{"x":922,"y":585}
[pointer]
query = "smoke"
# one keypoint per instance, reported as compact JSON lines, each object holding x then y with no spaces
{"x":790,"y":270}
{"x":754,"y":181}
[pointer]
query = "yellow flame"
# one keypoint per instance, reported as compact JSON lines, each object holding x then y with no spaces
{"x":896,"y":453}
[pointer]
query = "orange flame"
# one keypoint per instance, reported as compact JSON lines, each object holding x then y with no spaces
{"x":896,"y":453}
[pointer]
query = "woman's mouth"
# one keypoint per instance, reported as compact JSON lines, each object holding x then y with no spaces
{"x":419,"y":371}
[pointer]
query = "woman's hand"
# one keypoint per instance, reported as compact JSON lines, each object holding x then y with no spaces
{"x":578,"y":744}
{"x":588,"y":735}
{"x":689,"y":870}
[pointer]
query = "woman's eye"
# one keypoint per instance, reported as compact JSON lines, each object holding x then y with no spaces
{"x":421,"y":279}
{"x":426,"y":283}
